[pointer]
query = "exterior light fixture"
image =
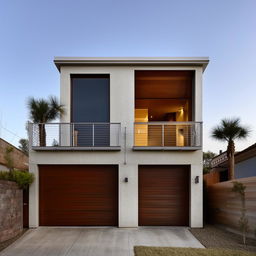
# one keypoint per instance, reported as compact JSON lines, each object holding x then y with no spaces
{"x":197,"y":179}
{"x":125,"y":179}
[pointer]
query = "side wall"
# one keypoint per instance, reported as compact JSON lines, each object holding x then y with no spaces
{"x":11,"y":210}
{"x":245,"y":168}
{"x":19,"y":158}
{"x":122,"y":110}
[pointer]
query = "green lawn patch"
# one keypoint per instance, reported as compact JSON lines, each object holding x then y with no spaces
{"x":172,"y":251}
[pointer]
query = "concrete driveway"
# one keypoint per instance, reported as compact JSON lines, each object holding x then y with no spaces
{"x":70,"y":241}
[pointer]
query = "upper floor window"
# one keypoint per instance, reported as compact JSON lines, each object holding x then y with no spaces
{"x":90,"y":98}
{"x":90,"y":104}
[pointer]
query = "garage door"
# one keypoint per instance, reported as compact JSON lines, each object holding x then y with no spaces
{"x":163,"y":195}
{"x":78,"y":195}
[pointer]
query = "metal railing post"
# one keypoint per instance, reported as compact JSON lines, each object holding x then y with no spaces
{"x":30,"y":134}
{"x":71,"y":134}
{"x":125,"y":155}
{"x":119,"y":135}
{"x":162,"y":135}
{"x":93,"y":134}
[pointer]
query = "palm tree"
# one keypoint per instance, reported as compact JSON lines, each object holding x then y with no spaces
{"x":42,"y":111}
{"x":24,"y":146}
{"x":229,"y":130}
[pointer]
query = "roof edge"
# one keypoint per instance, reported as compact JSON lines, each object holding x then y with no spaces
{"x":65,"y":61}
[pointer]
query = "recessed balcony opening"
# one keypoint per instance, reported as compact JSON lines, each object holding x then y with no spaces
{"x":164,"y":108}
{"x":166,"y":95}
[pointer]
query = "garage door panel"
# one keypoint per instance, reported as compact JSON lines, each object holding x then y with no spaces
{"x":163,"y":195}
{"x":78,"y":195}
{"x":162,"y":204}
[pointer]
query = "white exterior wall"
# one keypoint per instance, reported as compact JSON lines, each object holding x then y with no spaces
{"x":122,"y":110}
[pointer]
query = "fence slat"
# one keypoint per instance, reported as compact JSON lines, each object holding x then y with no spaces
{"x":224,"y":206}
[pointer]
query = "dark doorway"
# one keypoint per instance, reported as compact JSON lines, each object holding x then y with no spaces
{"x":26,"y":208}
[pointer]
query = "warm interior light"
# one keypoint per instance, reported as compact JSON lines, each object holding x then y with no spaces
{"x":141,"y":130}
{"x":180,"y":137}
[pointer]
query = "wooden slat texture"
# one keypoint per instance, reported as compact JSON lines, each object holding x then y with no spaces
{"x":163,"y":195}
{"x":224,"y":206}
{"x":211,"y":178}
{"x":78,"y":195}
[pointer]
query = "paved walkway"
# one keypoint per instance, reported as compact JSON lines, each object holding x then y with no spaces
{"x":70,"y":241}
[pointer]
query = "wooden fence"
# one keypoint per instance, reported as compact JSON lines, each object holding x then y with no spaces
{"x":211,"y":178}
{"x":224,"y":206}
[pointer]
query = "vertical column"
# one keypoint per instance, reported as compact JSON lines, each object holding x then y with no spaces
{"x":198,"y":95}
{"x":34,"y":196}
{"x":196,"y":197}
{"x":65,"y":130}
{"x":65,"y":94}
{"x":128,"y":195}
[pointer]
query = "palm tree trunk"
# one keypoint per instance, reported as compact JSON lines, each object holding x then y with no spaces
{"x":231,"y":160}
{"x":42,"y":135}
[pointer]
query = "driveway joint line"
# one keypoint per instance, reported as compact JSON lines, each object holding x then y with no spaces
{"x":72,"y":245}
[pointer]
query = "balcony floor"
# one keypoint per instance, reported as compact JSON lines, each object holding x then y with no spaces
{"x":63,"y":148}
{"x":142,"y":148}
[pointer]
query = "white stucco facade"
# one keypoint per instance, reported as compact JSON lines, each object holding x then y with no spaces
{"x":122,"y":111}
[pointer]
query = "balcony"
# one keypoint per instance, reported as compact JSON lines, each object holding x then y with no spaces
{"x":75,"y":136}
{"x":167,"y":135}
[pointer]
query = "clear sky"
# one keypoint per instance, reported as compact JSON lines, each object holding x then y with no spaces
{"x":33,"y":32}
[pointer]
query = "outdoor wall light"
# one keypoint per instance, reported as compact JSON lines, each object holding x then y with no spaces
{"x":125,"y":179}
{"x":197,"y":179}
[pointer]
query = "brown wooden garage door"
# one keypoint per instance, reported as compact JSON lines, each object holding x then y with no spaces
{"x":78,"y":195}
{"x":163,"y":195}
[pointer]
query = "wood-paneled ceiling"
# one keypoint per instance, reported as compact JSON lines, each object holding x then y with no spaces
{"x":163,"y":84}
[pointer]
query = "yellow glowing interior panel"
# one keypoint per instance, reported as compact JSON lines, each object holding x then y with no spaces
{"x":141,"y":130}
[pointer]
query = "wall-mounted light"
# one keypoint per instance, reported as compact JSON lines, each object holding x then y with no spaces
{"x":197,"y":179}
{"x":125,"y":179}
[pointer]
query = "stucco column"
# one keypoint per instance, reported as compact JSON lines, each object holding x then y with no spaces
{"x":196,"y":197}
{"x":34,"y":197}
{"x":128,"y":195}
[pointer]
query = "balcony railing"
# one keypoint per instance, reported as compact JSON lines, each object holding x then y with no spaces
{"x":167,"y":135}
{"x":75,"y":136}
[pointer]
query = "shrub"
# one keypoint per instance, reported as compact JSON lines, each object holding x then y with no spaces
{"x":22,"y":178}
{"x":240,"y":188}
{"x":4,"y":175}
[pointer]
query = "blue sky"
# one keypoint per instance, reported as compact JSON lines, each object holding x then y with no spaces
{"x":33,"y":32}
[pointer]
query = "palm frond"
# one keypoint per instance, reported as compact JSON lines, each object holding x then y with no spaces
{"x":56,"y":109}
{"x":243,"y":133}
{"x":42,"y":111}
{"x":229,"y":130}
{"x":217,"y":133}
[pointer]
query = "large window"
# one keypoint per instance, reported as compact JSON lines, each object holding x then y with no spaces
{"x":90,"y":98}
{"x":90,"y":105}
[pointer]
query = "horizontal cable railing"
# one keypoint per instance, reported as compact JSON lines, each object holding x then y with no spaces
{"x":75,"y":134}
{"x":168,"y":134}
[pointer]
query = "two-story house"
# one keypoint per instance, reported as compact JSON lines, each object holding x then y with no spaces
{"x":128,"y":150}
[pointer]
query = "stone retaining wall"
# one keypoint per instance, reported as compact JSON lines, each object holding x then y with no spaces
{"x":11,"y":210}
